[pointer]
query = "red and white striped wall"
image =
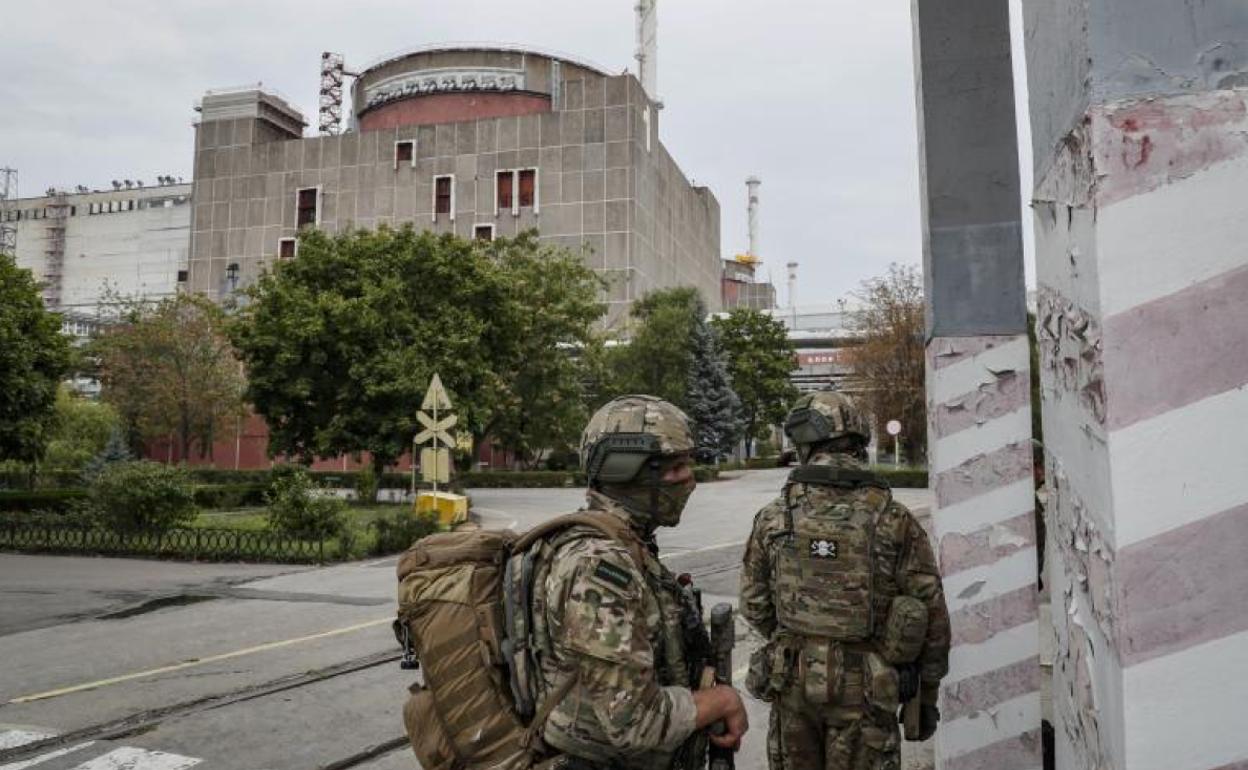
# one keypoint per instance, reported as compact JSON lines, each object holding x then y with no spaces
{"x":979,"y":429}
{"x":1142,"y":264}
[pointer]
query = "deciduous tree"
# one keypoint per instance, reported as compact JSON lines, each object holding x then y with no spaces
{"x":888,"y":365}
{"x":34,"y":357}
{"x":760,"y":359}
{"x":656,"y":358}
{"x":169,"y":370}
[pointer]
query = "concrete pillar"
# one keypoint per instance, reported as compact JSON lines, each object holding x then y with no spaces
{"x":1140,"y":126}
{"x":978,"y":395}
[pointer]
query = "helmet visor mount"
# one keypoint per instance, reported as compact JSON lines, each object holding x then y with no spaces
{"x":806,"y":426}
{"x":617,"y":458}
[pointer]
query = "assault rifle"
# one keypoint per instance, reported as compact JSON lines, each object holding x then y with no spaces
{"x":723,"y":637}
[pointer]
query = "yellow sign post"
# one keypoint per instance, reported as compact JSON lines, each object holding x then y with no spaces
{"x":435,"y":459}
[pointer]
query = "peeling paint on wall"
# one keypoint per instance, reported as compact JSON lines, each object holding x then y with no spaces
{"x":1071,"y":351}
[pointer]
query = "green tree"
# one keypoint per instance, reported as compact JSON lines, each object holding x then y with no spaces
{"x":889,"y":363}
{"x":82,"y":432}
{"x":657,"y":357}
{"x":760,"y":359}
{"x":340,"y":344}
{"x":169,"y":370}
{"x":711,"y":403}
{"x":551,"y":306}
{"x":34,"y":357}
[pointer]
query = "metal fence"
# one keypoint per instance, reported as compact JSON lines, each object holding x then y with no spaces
{"x":177,"y":542}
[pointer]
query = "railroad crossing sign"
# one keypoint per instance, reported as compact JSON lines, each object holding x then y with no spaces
{"x":435,"y":459}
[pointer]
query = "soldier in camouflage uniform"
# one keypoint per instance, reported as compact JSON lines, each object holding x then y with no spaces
{"x":842,"y":582}
{"x":618,"y":625}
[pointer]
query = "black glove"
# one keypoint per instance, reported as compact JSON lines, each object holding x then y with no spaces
{"x":907,"y":681}
{"x":929,"y":717}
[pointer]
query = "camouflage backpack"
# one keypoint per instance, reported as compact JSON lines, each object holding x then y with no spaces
{"x":460,"y":595}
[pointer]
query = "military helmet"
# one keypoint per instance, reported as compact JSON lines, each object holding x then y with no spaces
{"x":626,"y":432}
{"x":824,"y":416}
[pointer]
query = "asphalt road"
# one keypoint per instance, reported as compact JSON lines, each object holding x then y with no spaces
{"x":114,"y":663}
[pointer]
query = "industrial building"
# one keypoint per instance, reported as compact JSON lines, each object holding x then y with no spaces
{"x":480,"y":141}
{"x":132,"y":239}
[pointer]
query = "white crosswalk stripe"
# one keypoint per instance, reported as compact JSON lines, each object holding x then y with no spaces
{"x":40,"y":759}
{"x":114,"y":757}
{"x":13,"y":738}
{"x":130,"y":758}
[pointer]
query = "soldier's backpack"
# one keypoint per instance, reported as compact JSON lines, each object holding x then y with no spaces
{"x":453,"y":622}
{"x":826,"y":563}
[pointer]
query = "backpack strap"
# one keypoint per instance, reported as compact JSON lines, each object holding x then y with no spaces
{"x":826,"y":475}
{"x":611,"y":527}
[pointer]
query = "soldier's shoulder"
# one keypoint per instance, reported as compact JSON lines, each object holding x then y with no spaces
{"x":770,"y":516}
{"x":587,"y":554}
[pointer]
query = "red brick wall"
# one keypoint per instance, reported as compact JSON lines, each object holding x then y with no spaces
{"x":452,"y":107}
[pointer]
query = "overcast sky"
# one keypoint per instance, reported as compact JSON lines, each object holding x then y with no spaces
{"x":813,"y":96}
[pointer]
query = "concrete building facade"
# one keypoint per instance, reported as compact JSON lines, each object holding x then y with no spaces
{"x":133,"y":240}
{"x":481,"y":142}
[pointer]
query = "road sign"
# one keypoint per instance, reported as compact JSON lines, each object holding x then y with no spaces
{"x":893,"y":427}
{"x":435,"y":460}
{"x":436,"y":398}
{"x":435,"y":465}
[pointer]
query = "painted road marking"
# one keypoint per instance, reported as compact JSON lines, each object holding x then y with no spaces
{"x":716,"y":547}
{"x":129,"y":758}
{"x":25,"y":763}
{"x":198,"y":662}
{"x":11,"y":739}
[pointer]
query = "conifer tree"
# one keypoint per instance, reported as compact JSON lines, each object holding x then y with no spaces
{"x":712,"y":405}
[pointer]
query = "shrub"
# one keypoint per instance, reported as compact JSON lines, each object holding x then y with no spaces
{"x":226,"y":496}
{"x":53,"y":500}
{"x":399,"y":530}
{"x":366,"y":485}
{"x":142,"y":495}
{"x":298,"y":507}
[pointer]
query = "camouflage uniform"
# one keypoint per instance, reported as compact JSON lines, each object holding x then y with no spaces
{"x":616,"y":624}
{"x":834,"y":704}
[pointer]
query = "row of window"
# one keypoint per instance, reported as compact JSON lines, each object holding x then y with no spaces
{"x":288,"y":247}
{"x":514,"y":189}
{"x":102,"y":207}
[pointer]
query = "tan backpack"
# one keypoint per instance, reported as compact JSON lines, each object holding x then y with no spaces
{"x":452,"y":623}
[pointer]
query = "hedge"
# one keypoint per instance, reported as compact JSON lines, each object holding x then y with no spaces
{"x":61,"y":500}
{"x":53,"y":500}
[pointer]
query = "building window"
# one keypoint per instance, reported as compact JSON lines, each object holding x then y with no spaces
{"x":286,"y":248}
{"x":503,"y":197}
{"x":483,"y":232}
{"x":444,"y":196}
{"x":183,"y":276}
{"x":306,"y":205}
{"x":405,"y":152}
{"x":528,"y":188}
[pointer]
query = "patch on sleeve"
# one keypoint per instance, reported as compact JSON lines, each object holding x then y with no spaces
{"x":613,"y":575}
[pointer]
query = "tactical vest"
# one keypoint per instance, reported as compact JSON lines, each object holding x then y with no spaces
{"x":825,"y":581}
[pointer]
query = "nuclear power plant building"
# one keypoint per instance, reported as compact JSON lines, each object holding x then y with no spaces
{"x":479,"y":141}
